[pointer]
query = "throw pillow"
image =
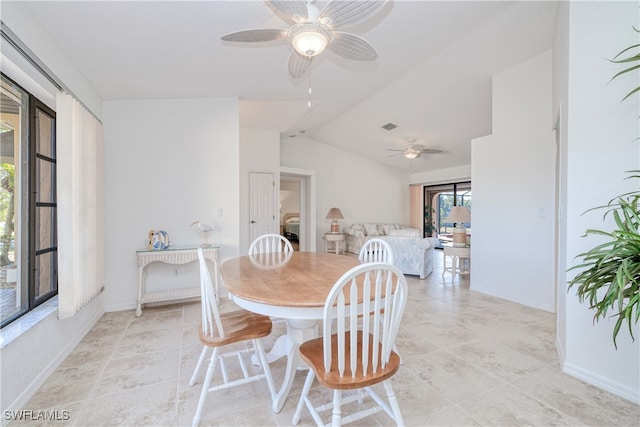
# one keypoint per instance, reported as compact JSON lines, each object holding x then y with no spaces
{"x":371,"y":229}
{"x":357,"y":227}
{"x":388,"y":228}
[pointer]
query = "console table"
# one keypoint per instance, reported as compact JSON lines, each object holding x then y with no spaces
{"x":174,"y":254}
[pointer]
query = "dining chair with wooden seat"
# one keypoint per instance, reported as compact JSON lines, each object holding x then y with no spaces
{"x":266,"y":247}
{"x":219,"y":330}
{"x":353,"y":357}
{"x":376,"y":250}
{"x":270,"y":243}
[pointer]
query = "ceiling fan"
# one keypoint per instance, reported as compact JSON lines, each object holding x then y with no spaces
{"x":312,"y":30}
{"x":414,"y":151}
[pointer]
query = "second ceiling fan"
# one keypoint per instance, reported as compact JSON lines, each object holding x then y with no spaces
{"x":313,"y":30}
{"x":414,"y":151}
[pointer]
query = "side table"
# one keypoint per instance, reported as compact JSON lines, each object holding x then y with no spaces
{"x":174,"y":254}
{"x":458,"y":254}
{"x":336,"y":238}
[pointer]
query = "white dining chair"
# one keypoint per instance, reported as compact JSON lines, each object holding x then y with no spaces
{"x":219,"y":330}
{"x":376,"y":250}
{"x":270,"y":243}
{"x":349,"y":357}
{"x":267,"y":249}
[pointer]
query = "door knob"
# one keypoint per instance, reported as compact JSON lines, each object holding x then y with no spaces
{"x":253,"y":222}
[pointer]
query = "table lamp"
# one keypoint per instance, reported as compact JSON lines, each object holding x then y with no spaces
{"x":335,"y":214}
{"x":459,"y":215}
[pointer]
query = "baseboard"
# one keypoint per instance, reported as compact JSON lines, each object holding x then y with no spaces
{"x":120,"y":307}
{"x":628,"y":393}
{"x":523,"y":301}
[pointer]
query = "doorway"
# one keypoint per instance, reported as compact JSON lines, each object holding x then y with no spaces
{"x":291,"y":196}
{"x":300,"y":185}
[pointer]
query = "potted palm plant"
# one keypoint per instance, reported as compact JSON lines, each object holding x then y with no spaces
{"x":609,"y":277}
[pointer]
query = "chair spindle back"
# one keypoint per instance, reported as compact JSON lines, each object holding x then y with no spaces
{"x":376,"y":250}
{"x":270,"y":243}
{"x":361,"y":296}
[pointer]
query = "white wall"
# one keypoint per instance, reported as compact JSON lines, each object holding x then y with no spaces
{"x":168,"y":163}
{"x":601,"y":133}
{"x":442,"y":176}
{"x":364,"y":191}
{"x":513,"y":190}
{"x":29,"y":359}
{"x":259,"y":152}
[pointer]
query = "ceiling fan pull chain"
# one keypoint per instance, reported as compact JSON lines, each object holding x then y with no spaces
{"x":309,"y":102}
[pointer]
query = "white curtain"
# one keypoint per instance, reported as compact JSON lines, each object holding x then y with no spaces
{"x":80,"y":205}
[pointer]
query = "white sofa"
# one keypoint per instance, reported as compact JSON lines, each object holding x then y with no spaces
{"x":356,"y":235}
{"x":412,"y":254}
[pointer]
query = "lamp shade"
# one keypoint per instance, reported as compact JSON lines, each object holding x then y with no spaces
{"x":334,"y":213}
{"x":459,"y":215}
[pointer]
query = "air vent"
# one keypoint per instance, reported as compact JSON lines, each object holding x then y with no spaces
{"x":389,"y":126}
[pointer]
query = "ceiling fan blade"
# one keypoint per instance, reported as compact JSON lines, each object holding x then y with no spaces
{"x":394,"y":149}
{"x":292,"y":12}
{"x":256,"y":35}
{"x":430,"y":151}
{"x":343,"y":14}
{"x":352,"y":47}
{"x":417,"y":147}
{"x":298,"y":64}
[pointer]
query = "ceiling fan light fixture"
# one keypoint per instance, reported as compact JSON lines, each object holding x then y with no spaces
{"x":411,"y":154}
{"x":309,"y":39}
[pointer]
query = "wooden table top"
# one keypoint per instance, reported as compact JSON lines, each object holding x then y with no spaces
{"x":303,"y":280}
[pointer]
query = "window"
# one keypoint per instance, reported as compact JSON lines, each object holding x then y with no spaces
{"x":28,"y":209}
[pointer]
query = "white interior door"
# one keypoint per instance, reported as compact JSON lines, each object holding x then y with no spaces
{"x":262,"y":214}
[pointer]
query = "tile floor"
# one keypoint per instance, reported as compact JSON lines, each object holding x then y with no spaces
{"x":469,"y":360}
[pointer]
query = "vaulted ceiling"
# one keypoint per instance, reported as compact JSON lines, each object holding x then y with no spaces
{"x":432,"y":78}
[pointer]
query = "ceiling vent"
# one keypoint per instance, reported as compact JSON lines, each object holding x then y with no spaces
{"x":389,"y":126}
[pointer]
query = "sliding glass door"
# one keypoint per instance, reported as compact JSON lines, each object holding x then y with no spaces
{"x":438,"y":201}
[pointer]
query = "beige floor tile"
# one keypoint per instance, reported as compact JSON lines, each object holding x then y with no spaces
{"x":91,"y":350}
{"x":126,"y":373}
{"x":140,"y":343}
{"x":156,"y":319}
{"x":590,"y":405}
{"x":153,"y":405}
{"x":498,"y":359}
{"x":449,"y":375}
{"x":447,"y":416}
{"x":506,"y":406}
{"x":66,"y":385}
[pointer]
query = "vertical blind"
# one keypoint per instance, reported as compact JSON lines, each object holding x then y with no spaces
{"x":80,"y":205}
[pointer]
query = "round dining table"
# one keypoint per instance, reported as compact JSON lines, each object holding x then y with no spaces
{"x":290,"y":286}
